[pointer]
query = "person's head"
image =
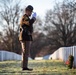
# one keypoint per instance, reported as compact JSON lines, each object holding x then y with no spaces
{"x":29,"y":10}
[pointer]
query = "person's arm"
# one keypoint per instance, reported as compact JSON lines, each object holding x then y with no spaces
{"x":33,"y":18}
{"x":32,"y":21}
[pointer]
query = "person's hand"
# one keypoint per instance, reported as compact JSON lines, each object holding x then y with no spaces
{"x":34,"y":15}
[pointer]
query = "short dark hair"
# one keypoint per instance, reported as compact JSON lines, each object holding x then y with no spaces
{"x":29,"y":7}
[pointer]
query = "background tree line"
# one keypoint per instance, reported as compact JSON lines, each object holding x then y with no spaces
{"x":57,"y":30}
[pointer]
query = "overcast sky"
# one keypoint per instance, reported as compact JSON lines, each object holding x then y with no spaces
{"x":41,"y":6}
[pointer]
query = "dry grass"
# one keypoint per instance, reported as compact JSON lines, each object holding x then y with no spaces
{"x":43,"y":67}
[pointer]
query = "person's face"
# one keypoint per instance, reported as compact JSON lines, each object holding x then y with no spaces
{"x":29,"y":13}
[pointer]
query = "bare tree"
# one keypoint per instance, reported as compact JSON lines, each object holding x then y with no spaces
{"x":61,"y":24}
{"x":38,"y":25}
{"x":10,"y":13}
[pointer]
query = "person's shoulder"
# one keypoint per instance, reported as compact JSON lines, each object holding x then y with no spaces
{"x":25,"y":16}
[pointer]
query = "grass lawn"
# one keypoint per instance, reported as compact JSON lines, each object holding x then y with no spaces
{"x":40,"y":67}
